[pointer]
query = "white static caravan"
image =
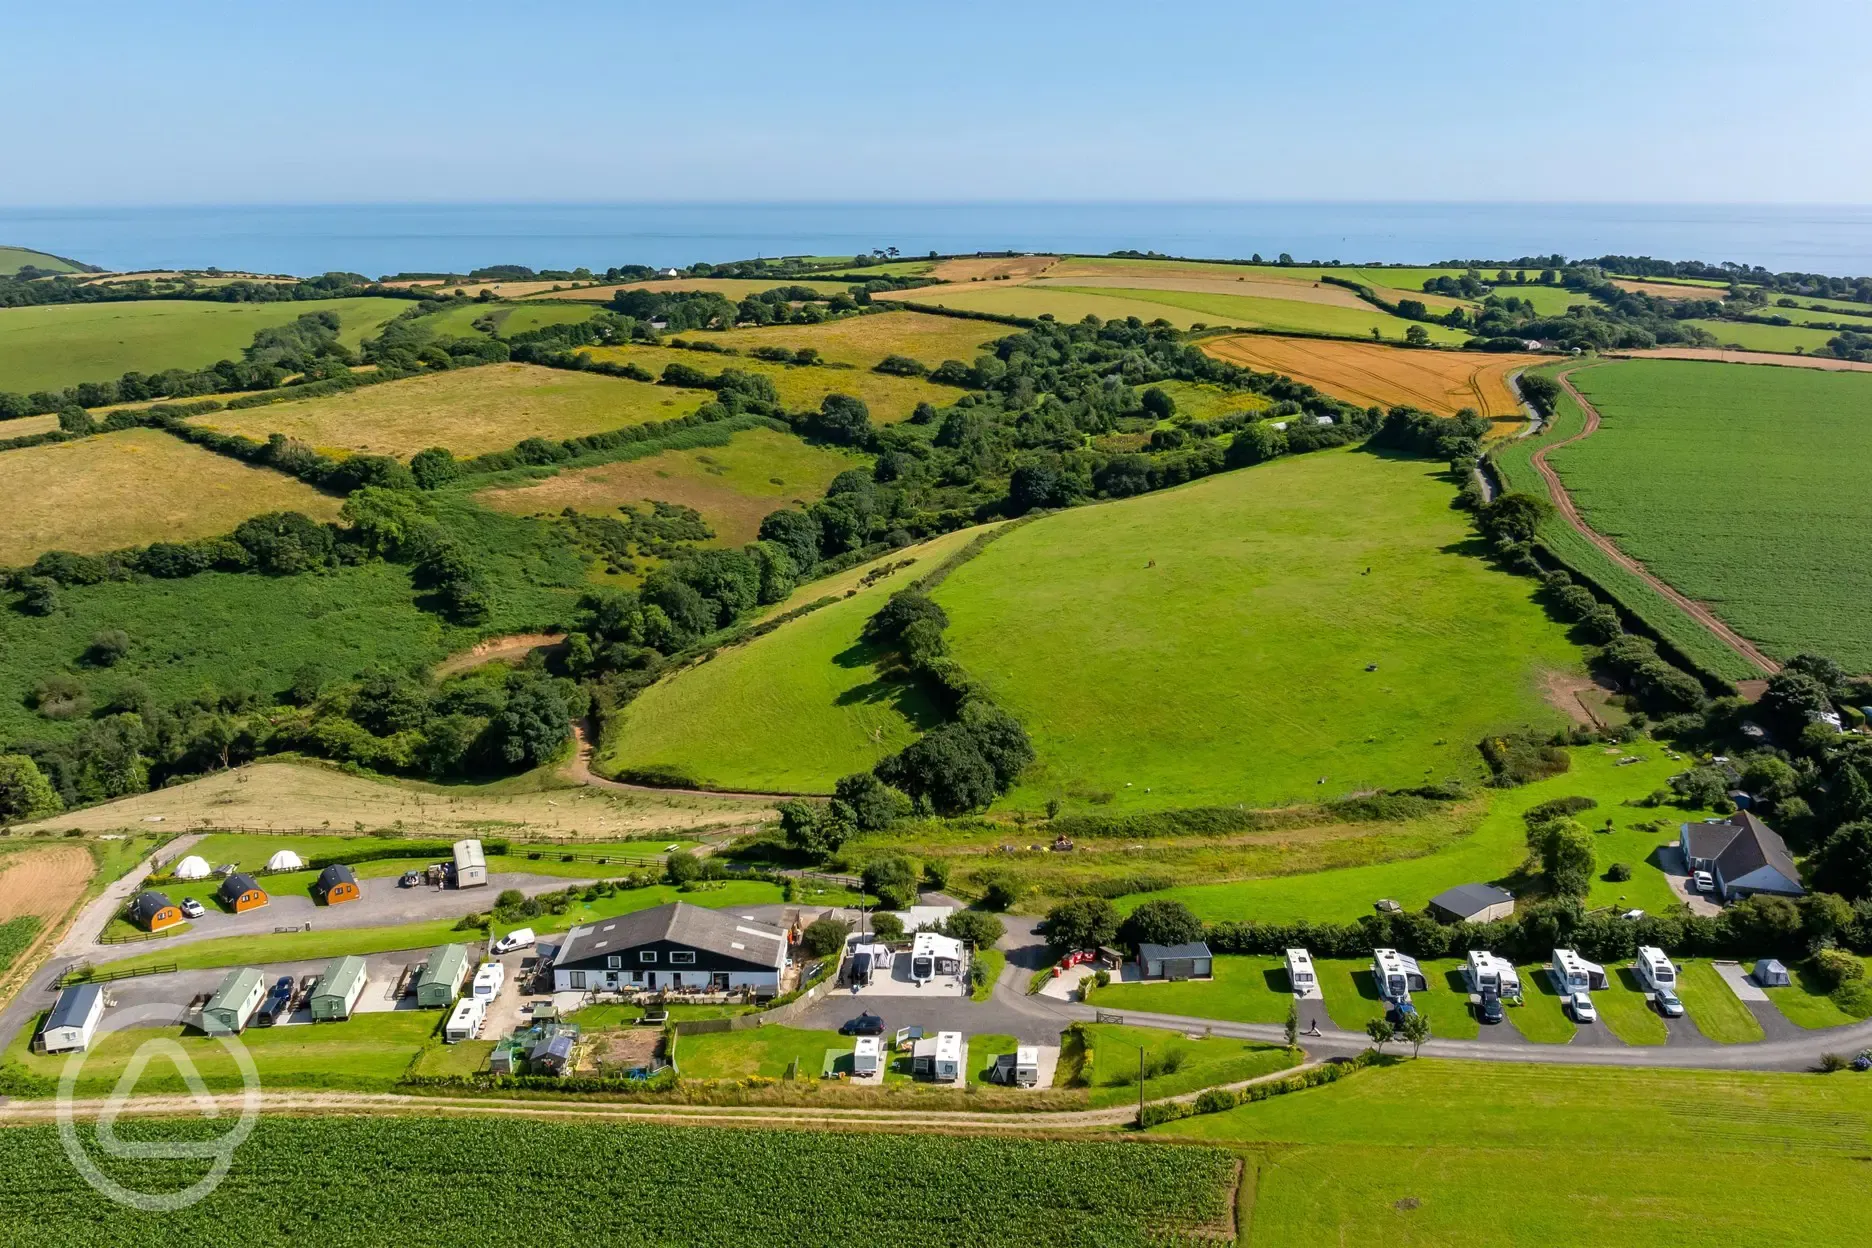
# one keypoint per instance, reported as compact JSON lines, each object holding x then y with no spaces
{"x":939,"y":1057}
{"x":488,"y":981}
{"x":1488,"y":974}
{"x":1300,"y":975}
{"x":1654,"y":969}
{"x":74,"y":1019}
{"x":867,"y":1058}
{"x":470,"y":864}
{"x":465,"y":1020}
{"x":1573,"y":974}
{"x":1397,"y":975}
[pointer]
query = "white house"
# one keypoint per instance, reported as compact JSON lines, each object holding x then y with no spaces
{"x":74,"y":1018}
{"x":1573,"y":973}
{"x":1397,"y":975}
{"x":675,"y":946}
{"x":1743,"y":856}
{"x":938,"y":1057}
{"x":465,"y":1020}
{"x":1300,"y":975}
{"x":868,"y":1056}
{"x":470,"y":864}
{"x":1487,"y":973}
{"x":488,"y":981}
{"x":932,"y":955}
{"x":1654,"y":969}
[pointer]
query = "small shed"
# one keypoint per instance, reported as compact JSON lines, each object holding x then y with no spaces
{"x":335,"y":885}
{"x":153,"y":912}
{"x":554,"y":1056}
{"x":1769,"y":973}
{"x":193,"y":867}
{"x":464,"y":1021}
{"x":867,"y":1056}
{"x":1189,"y":961}
{"x":74,"y":1018}
{"x":233,"y":1003}
{"x":442,"y":976}
{"x":240,"y":893}
{"x":285,"y":860}
{"x":337,"y":990}
{"x":1472,"y":903}
{"x":470,"y":864}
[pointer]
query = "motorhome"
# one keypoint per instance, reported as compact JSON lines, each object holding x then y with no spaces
{"x":1574,"y":974}
{"x":1490,"y":975}
{"x":1397,"y":975}
{"x":1654,"y":969}
{"x":1300,"y":974}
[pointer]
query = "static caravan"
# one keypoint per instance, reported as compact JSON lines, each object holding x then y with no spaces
{"x":240,"y":893}
{"x":868,"y":1057}
{"x":1654,"y":969}
{"x":488,"y":981}
{"x":1397,"y":975}
{"x":932,"y":955}
{"x":336,"y":885}
{"x":1488,"y":974}
{"x":470,"y":864}
{"x":74,"y":1019}
{"x":442,"y":976}
{"x":1573,"y":973}
{"x":233,"y":1004}
{"x":338,"y":989}
{"x":939,"y":1057}
{"x":464,"y":1021}
{"x":1300,"y":975}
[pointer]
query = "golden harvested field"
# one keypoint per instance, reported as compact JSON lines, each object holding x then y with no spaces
{"x":1302,"y":292}
{"x":727,"y":287}
{"x":1725,"y":356}
{"x":733,"y":486}
{"x":1670,"y":290}
{"x":301,"y":797}
{"x":1365,"y":373}
{"x":990,"y":268}
{"x":43,"y":882}
{"x":500,"y":290}
{"x":864,"y":340}
{"x":31,"y":426}
{"x":890,"y":399}
{"x":468,"y":410}
{"x":131,"y":488}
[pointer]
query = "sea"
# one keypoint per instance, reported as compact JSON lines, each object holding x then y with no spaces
{"x":381,"y":239}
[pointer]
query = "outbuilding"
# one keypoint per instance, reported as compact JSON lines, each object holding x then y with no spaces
{"x":233,"y":1003}
{"x":153,"y":912}
{"x":335,"y":885}
{"x":285,"y":860}
{"x":74,"y":1019}
{"x":442,"y":976}
{"x":1472,"y":903}
{"x":464,"y":1021}
{"x":470,"y":864}
{"x":1769,"y":973}
{"x":554,"y":1056}
{"x":338,"y":989}
{"x":1188,"y":961}
{"x":240,"y":893}
{"x":193,"y":867}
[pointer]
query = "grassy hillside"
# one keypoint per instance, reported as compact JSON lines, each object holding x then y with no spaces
{"x":59,"y":345}
{"x":1210,"y":644}
{"x":864,"y":340}
{"x":1743,"y":487}
{"x":1752,"y":337}
{"x":890,"y":398}
{"x":13,"y":259}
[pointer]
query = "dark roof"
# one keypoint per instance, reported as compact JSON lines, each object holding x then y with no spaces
{"x":1467,"y":899}
{"x":558,"y":1046}
{"x":236,"y":884}
{"x":693,"y":927}
{"x":1740,"y":844}
{"x":74,"y":1006}
{"x":1160,"y":953}
{"x":144,"y":908}
{"x":334,"y":875}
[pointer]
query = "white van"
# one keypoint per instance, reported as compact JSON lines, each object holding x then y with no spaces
{"x":519,"y":938}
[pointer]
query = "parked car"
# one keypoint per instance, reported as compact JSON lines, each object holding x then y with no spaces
{"x":866,"y":1024}
{"x":409,"y":879}
{"x":192,"y":908}
{"x":1400,"y":1012}
{"x":1669,"y":1004}
{"x":1489,"y":1008}
{"x":1584,"y":1011}
{"x":278,"y":998}
{"x":1863,"y":1061}
{"x":1705,"y":882}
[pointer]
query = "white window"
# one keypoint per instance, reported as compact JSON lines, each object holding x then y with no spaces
{"x":646,"y":955}
{"x":613,"y":962}
{"x":576,"y":979}
{"x":610,"y":979}
{"x":682,"y":957}
{"x":636,"y":977}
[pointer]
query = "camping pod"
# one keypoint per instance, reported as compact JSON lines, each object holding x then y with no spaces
{"x":336,"y":884}
{"x":153,"y":912}
{"x":240,"y":894}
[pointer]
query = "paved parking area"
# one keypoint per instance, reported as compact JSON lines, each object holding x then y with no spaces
{"x":1671,"y":862}
{"x":1745,"y":988}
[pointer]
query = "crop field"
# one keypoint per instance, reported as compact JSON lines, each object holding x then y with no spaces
{"x":788,"y":712}
{"x":862,"y":341}
{"x":890,"y":398}
{"x":727,"y":287}
{"x":121,"y":489}
{"x":57,"y":345}
{"x":1419,"y":1153}
{"x":28,"y":426}
{"x":1739,"y":486}
{"x":733,"y":486}
{"x":1485,"y":848}
{"x":1436,"y":381}
{"x":1681,"y":288}
{"x":991,"y":268}
{"x":1019,"y":1193}
{"x":468,"y":410}
{"x":1300,"y":630}
{"x":1752,"y":337}
{"x":42,"y":883}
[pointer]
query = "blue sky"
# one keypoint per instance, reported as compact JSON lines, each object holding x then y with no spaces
{"x":1646,"y":101}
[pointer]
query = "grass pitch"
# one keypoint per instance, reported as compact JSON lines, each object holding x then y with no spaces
{"x":59,"y":345}
{"x":134,"y":487}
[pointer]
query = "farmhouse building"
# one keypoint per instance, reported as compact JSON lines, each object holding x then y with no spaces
{"x":337,"y":990}
{"x":233,"y":1003}
{"x":336,"y":884}
{"x":470,"y":864}
{"x":1472,"y":903}
{"x":74,"y":1019}
{"x":1743,"y":856}
{"x":674,"y":946}
{"x":154,"y":912}
{"x":240,"y":893}
{"x":1190,"y":961}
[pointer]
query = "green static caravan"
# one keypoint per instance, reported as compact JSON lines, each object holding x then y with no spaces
{"x":233,"y":1003}
{"x":338,"y":989}
{"x":442,"y":977}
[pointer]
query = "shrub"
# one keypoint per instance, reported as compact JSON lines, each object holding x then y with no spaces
{"x":1081,"y":923}
{"x":1161,"y":922}
{"x":936,"y":874}
{"x":1835,"y":968}
{"x":892,"y":879}
{"x":1618,"y":873}
{"x":1215,"y":1100}
{"x":824,"y":937}
{"x":886,"y":926}
{"x":1831,"y":1062}
{"x":1555,"y":809}
{"x":682,"y":867}
{"x":978,"y":929}
{"x":1000,"y":887}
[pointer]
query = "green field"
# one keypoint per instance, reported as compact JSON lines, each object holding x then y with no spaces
{"x":1173,"y":1062}
{"x":12,"y":259}
{"x":1751,"y":337}
{"x":1713,"y":1006}
{"x":1807,"y":1003}
{"x":1218,"y":637}
{"x":509,"y":318}
{"x":1479,"y":1155}
{"x":862,"y":341}
{"x":1243,"y":990}
{"x":1740,"y":485}
{"x":890,"y":399}
{"x":352,"y":1178}
{"x":53,"y":346}
{"x":1352,"y":999}
{"x":1842,"y":314}
{"x":1541,"y":1016}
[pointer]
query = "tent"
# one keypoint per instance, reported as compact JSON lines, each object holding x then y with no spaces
{"x":285,"y":860}
{"x":1771,"y":974}
{"x":193,"y":867}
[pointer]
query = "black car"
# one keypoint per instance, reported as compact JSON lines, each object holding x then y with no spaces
{"x":863,"y":1025}
{"x":1489,"y":1008}
{"x":278,"y":998}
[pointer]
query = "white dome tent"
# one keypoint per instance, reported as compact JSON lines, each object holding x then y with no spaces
{"x":285,"y":860}
{"x":193,"y":867}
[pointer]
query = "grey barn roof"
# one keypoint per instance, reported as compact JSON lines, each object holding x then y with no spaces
{"x":1468,"y":899}
{"x":1171,"y":953}
{"x":679,"y":923}
{"x":1740,"y":844}
{"x":74,"y":1006}
{"x":236,"y":884}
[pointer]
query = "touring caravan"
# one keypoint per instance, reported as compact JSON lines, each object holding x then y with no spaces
{"x":867,"y":1057}
{"x":488,"y":981}
{"x":1654,"y":969}
{"x":465,"y":1020}
{"x":1397,"y":975}
{"x":1488,"y":974}
{"x":1573,"y":974}
{"x":1300,"y":975}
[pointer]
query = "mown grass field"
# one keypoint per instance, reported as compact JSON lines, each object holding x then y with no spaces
{"x":1752,"y":337}
{"x":733,"y":486}
{"x":1838,"y":314}
{"x":1487,"y":848}
{"x":468,"y":410}
{"x":1421,"y":1153}
{"x":890,"y":399}
{"x":1807,"y":1002}
{"x":789,"y":712}
{"x":1218,"y":638}
{"x":1173,"y":1062}
{"x":862,"y":341}
{"x":728,"y":287}
{"x":58,"y":345}
{"x":508,"y":318}
{"x":131,"y":488}
{"x":13,"y":259}
{"x":1741,"y":486}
